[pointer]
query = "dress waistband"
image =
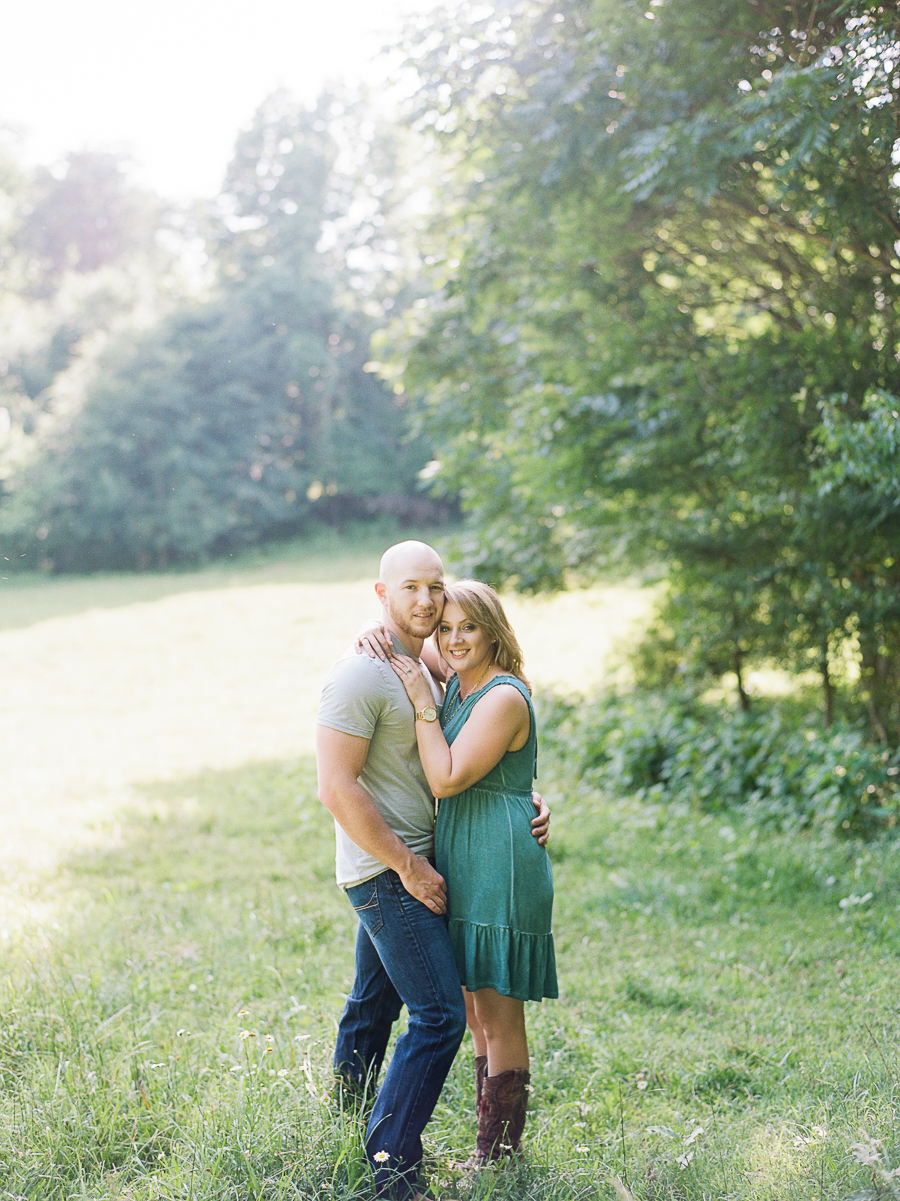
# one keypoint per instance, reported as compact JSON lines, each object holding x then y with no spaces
{"x":501,"y":791}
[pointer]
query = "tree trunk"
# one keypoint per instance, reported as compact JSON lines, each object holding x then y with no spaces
{"x":827,"y":686}
{"x":742,"y":694}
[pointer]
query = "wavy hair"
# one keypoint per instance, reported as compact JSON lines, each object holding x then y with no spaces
{"x":481,"y":604}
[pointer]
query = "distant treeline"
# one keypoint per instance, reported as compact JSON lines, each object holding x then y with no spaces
{"x":179,"y":384}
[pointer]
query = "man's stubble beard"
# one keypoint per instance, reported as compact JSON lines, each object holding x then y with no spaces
{"x":401,"y":623}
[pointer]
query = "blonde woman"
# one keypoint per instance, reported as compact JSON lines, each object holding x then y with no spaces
{"x":480,"y":761}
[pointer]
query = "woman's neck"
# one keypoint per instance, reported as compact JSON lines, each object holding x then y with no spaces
{"x":471,"y":681}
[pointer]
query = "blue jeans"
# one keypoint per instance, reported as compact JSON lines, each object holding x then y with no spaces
{"x":403,"y":957}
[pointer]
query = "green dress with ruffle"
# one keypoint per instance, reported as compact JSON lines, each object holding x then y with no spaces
{"x":499,"y":880}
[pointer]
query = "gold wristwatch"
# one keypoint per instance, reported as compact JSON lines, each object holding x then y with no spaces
{"x":428,"y":714}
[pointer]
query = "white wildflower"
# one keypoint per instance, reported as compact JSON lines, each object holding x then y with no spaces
{"x":868,"y":1151}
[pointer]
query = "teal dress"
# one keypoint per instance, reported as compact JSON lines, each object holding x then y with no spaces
{"x":499,"y":881}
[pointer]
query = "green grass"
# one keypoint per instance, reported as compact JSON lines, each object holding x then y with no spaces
{"x":167,"y":1025}
{"x":325,"y":557}
{"x":174,"y":953}
{"x":114,"y":680}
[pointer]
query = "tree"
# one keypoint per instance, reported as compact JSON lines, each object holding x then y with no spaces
{"x":238,"y":419}
{"x":83,"y":217}
{"x":676,"y":230}
{"x":81,"y":259}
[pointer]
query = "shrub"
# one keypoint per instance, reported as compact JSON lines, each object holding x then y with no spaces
{"x":677,"y":749}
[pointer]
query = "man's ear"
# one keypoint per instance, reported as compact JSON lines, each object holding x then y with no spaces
{"x":380,"y":592}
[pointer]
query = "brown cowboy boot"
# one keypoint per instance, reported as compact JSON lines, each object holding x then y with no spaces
{"x":501,"y":1119}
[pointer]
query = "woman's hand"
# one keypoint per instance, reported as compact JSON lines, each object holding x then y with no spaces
{"x":414,"y":680}
{"x":374,"y":640}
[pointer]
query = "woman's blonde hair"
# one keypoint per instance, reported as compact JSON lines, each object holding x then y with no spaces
{"x":481,"y":604}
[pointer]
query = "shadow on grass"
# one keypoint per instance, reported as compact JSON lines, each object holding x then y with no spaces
{"x":208,"y":890}
{"x":214,"y":863}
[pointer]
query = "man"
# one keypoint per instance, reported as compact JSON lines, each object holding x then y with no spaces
{"x":371,"y":781}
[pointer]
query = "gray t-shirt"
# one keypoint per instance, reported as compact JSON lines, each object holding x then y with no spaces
{"x":364,"y":697}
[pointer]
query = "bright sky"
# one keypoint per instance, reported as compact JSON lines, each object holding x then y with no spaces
{"x":172,"y":81}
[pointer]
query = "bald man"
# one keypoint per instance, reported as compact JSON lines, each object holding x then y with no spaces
{"x":372,"y":782}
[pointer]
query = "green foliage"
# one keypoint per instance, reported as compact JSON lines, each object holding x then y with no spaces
{"x":676,"y":236}
{"x":84,"y":255}
{"x":776,"y":771}
{"x":85,"y":216}
{"x":233,"y":421}
{"x":223,"y":427}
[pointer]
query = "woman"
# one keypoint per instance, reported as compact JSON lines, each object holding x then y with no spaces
{"x":480,"y":763}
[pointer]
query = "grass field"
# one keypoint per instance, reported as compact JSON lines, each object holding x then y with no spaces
{"x":175,"y":953}
{"x":117,"y":680}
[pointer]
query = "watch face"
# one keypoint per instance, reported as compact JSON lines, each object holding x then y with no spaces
{"x":428,"y":714}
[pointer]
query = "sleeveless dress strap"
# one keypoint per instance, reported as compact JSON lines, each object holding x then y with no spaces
{"x":466,"y":705}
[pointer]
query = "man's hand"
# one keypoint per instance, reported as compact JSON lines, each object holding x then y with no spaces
{"x":425,"y":884}
{"x":540,"y":825}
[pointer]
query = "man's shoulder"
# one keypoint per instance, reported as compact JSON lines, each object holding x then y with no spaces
{"x":355,"y":674}
{"x":352,"y":666}
{"x":355,"y":696}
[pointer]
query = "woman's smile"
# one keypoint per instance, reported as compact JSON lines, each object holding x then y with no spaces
{"x":464,"y":645}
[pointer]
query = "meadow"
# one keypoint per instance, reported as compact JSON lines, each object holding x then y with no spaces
{"x":175,"y":952}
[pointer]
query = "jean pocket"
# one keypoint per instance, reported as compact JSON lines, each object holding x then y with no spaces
{"x":364,"y":899}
